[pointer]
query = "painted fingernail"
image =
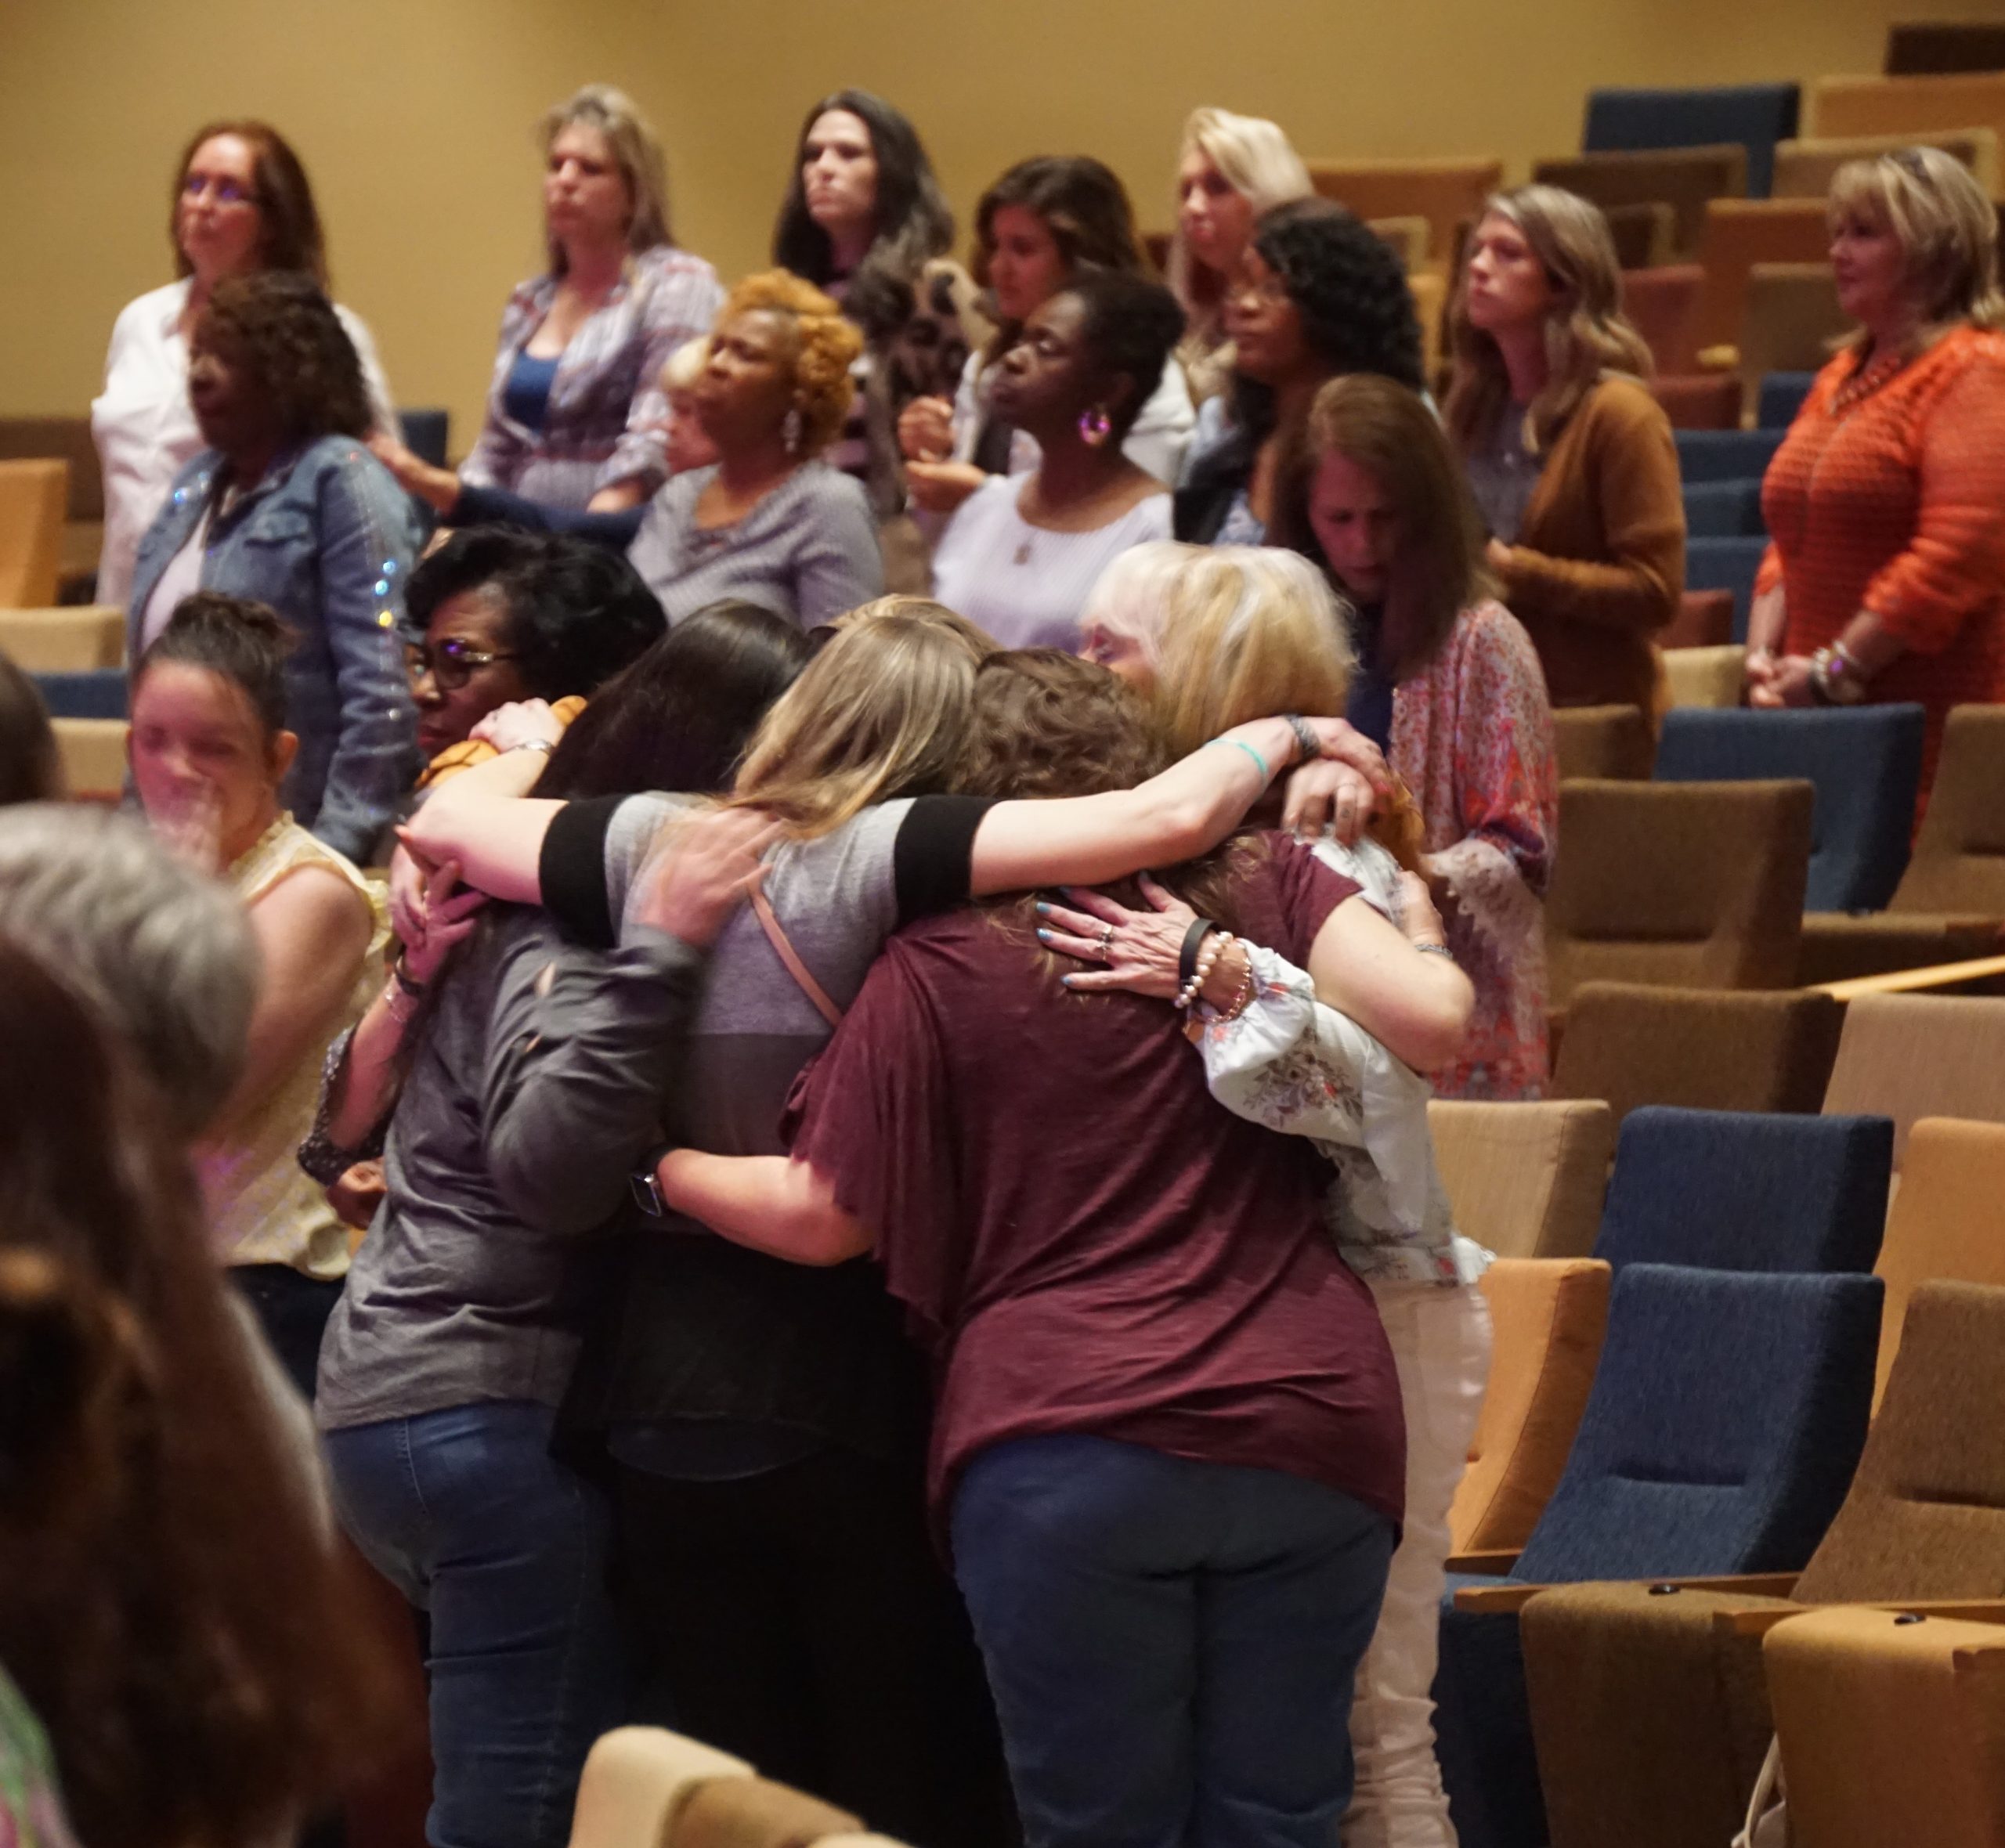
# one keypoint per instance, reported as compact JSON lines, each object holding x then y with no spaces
{"x":1065,"y":981}
{"x":1043,"y":910}
{"x":1044,"y":936}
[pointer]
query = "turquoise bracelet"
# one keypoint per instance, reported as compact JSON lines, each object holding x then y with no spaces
{"x":1266,"y":775}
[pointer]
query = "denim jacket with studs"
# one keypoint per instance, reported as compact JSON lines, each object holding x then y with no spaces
{"x":326,"y":539}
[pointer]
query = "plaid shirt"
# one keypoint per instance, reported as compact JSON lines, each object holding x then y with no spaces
{"x":607,"y":411}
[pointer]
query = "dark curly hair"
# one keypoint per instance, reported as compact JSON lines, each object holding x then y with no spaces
{"x":286,"y":331}
{"x":1080,"y":202}
{"x":576,"y":613}
{"x":1131,"y":326}
{"x":239,"y":640}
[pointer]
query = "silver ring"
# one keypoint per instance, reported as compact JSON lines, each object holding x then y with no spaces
{"x":1106,"y":939}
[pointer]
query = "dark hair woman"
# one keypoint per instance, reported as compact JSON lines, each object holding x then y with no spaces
{"x":285,"y":507}
{"x":30,"y":770}
{"x":1317,"y":294}
{"x":241,"y":204}
{"x":1044,"y":222}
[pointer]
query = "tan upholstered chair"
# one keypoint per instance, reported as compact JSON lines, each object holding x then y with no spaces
{"x":1680,"y":885}
{"x":63,"y":641}
{"x":1549,"y":1316}
{"x":636,"y":1782}
{"x":1908,"y":1056}
{"x":1526,"y":1180}
{"x":1604,"y":741}
{"x":1950,"y":904}
{"x":32,"y":496}
{"x":1443,"y":192}
{"x":83,"y":524}
{"x":1700,"y":1049}
{"x":1804,"y":169}
{"x":1792,"y":320}
{"x":1683,"y":178}
{"x":755,"y":1813}
{"x":1947,"y":1220}
{"x":93,"y":754}
{"x":1909,"y":106}
{"x":1708,"y":677}
{"x":1648,"y":1707}
{"x":1409,"y":234}
{"x":1892,"y":1731}
{"x":1739,"y":234}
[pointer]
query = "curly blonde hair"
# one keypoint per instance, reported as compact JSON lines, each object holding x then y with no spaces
{"x":826,"y":346}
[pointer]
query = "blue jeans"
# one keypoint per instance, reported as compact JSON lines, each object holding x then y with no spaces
{"x":1171,"y":1644}
{"x":466,"y":1512}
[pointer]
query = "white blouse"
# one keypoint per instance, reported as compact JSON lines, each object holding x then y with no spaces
{"x":145,"y":427}
{"x":1026,"y":585}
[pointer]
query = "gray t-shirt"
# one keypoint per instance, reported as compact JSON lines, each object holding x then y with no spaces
{"x":1502,"y":473}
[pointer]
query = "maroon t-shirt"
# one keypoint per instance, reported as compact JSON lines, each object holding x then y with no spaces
{"x":1086,"y":1239}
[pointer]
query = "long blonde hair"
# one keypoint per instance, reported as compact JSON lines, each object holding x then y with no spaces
{"x":1947,"y":229}
{"x":882,"y":711}
{"x":1256,"y":158}
{"x":636,"y":152}
{"x":1587,"y":333}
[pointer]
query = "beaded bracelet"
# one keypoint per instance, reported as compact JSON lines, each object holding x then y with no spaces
{"x":1243,"y":998}
{"x":1208,"y":953}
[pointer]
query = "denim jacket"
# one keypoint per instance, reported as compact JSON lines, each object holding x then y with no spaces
{"x":326,"y":539}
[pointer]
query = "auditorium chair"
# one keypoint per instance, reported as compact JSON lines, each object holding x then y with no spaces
{"x":1409,"y":235}
{"x":1682,"y":884}
{"x":1548,"y":1316}
{"x":1719,"y":1437}
{"x":1804,"y":169}
{"x":73,"y":638}
{"x":1864,"y":762}
{"x":1644,"y":235}
{"x":1938,"y":48}
{"x":1525,"y":1179}
{"x":1723,"y":510}
{"x":1443,"y":192}
{"x":94,"y":693}
{"x":1949,"y":904}
{"x":1602,"y":740}
{"x":1779,"y":396}
{"x":33,"y":495}
{"x":1726,"y":455}
{"x":1715,"y":676}
{"x":1728,"y":564}
{"x":23,"y":439}
{"x":93,"y":757}
{"x":1739,"y":234}
{"x":1699,"y":400}
{"x":1648,"y":1699}
{"x":1755,"y":116}
{"x":1909,"y":1057}
{"x":1720,"y":1049}
{"x":1664,"y":305}
{"x":1792,"y":322}
{"x":1682,"y":178}
{"x":1909,"y":106}
{"x":1747,"y":1190}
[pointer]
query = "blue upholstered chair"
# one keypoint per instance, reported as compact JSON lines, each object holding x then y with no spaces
{"x":96,"y":693}
{"x":1756,"y":115}
{"x":1723,"y":510}
{"x":1724,"y":455}
{"x":1725,"y":1420}
{"x":1865,"y":762}
{"x":426,"y":433}
{"x":1743,"y":1190}
{"x":1726,"y":565}
{"x":1781,"y":397}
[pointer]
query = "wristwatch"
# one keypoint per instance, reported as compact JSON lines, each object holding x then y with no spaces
{"x":645,"y":1185}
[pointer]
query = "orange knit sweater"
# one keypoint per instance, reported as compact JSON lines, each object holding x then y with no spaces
{"x":1891,"y":498}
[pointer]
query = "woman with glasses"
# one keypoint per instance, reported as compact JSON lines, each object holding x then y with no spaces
{"x":241,"y":203}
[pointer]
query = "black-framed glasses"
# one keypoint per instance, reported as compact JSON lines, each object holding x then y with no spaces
{"x":451,"y":664}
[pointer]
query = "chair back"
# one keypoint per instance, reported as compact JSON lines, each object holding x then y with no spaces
{"x":1756,"y":116}
{"x":1728,"y":564}
{"x":1525,"y":1180}
{"x":1683,"y":177}
{"x":1908,"y":1056}
{"x":1740,"y":234}
{"x":1725,"y":1419}
{"x":1726,"y":455}
{"x":1739,"y":1190}
{"x":93,"y":756}
{"x":1662,"y":304}
{"x":71,"y":638}
{"x":1602,"y":740}
{"x":1804,"y":169}
{"x":1723,"y":510}
{"x":1959,"y":859}
{"x":1684,"y":885}
{"x":32,"y":497}
{"x":1714,"y":678}
{"x":1909,"y":106}
{"x":1443,"y":192}
{"x":1792,"y":322}
{"x":1864,"y":763}
{"x":1945,"y":46}
{"x":39,"y":438}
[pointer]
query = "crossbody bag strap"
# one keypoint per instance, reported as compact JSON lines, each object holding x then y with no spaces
{"x":762,"y":909}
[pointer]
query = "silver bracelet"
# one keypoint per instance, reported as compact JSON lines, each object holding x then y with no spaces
{"x":534,"y":744}
{"x":1436,"y":949}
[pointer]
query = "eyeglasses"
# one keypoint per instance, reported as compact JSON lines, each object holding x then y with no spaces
{"x":226,"y":192}
{"x":451,"y":664}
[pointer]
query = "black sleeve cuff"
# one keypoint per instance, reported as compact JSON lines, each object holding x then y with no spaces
{"x":932,"y":859}
{"x":571,"y":871}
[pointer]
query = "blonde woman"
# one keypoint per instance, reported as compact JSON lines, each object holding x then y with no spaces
{"x":1887,"y":576}
{"x":1570,"y":458}
{"x":574,"y":411}
{"x":1230,"y":170}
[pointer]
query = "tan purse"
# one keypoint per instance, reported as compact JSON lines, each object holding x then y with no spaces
{"x":762,"y":910}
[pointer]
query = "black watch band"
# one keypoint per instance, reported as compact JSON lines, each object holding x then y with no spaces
{"x":645,"y":1188}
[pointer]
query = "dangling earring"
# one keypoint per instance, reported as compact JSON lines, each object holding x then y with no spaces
{"x":1094,"y":426}
{"x":790,"y":431}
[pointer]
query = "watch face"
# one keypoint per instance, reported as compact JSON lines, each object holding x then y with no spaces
{"x":647,"y":1192}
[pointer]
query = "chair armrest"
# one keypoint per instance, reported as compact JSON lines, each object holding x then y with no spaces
{"x":1501,"y":1598}
{"x":1906,"y":981}
{"x":1492,"y":1562}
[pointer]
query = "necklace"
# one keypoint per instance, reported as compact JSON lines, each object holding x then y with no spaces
{"x":1023,"y":556}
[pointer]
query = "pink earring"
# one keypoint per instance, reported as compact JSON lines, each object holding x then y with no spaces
{"x":1095,"y":426}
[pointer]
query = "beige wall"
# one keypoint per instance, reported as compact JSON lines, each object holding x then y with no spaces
{"x":415,"y":118}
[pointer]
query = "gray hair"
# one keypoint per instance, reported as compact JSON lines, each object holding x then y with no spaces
{"x":163,"y":954}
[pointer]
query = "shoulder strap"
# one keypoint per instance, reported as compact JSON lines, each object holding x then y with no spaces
{"x":762,"y":909}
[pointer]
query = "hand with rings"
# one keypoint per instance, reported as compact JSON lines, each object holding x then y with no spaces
{"x":1138,"y":951}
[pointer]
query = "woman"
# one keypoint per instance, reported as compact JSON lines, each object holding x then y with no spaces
{"x":506,"y":616}
{"x":1041,"y":223}
{"x":1169,"y":1475}
{"x":444,"y":1363}
{"x":210,"y":751}
{"x":574,"y":411}
{"x":1316,"y":294}
{"x":1570,"y":458}
{"x":1887,"y":573}
{"x":171,"y":1610}
{"x":241,"y":204}
{"x":31,"y":767}
{"x":769,"y":522}
{"x":864,"y":219}
{"x":1232,"y":170}
{"x":1020,"y":556}
{"x":766,"y":1425}
{"x":287,"y":508}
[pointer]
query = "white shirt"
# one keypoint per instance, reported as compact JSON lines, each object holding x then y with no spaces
{"x":145,"y":427}
{"x":1156,"y":443}
{"x":1026,"y":585}
{"x":182,"y":578}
